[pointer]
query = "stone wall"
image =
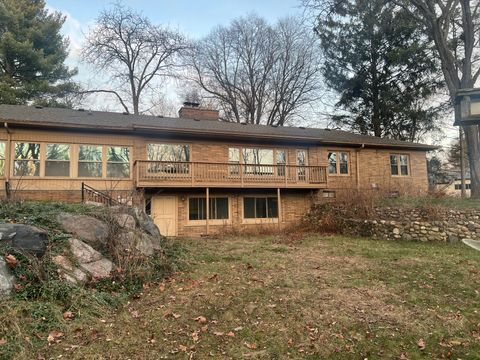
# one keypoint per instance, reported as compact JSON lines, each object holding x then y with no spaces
{"x":409,"y":223}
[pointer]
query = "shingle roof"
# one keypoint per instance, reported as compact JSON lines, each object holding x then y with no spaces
{"x":56,"y":117}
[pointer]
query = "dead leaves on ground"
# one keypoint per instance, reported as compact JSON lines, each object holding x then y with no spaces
{"x":11,"y":261}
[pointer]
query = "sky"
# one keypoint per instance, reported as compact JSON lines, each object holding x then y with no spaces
{"x":195,"y":19}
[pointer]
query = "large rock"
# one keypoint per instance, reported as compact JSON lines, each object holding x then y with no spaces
{"x":6,"y":278}
{"x":133,"y":241}
{"x":84,"y":253}
{"x":146,"y":223}
{"x":24,"y":237}
{"x":89,"y":263}
{"x":85,"y":227}
{"x":125,"y":220}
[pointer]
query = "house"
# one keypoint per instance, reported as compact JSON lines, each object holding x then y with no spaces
{"x":249,"y":175}
{"x":453,"y":187}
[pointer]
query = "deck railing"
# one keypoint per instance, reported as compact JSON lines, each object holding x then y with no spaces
{"x":197,"y":174}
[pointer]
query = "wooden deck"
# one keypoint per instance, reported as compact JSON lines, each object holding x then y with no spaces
{"x":228,"y":175}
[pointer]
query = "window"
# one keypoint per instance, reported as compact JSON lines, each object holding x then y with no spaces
{"x":2,"y":158}
{"x":90,"y":161}
{"x":168,"y":152}
{"x":459,"y":186}
{"x":218,"y":209}
{"x":27,"y":159}
{"x":399,"y":164}
{"x":234,"y":161}
{"x":259,"y":161}
{"x":338,"y":163}
{"x":328,"y":193}
{"x":57,"y":160}
{"x":118,"y":162}
{"x":260,"y":207}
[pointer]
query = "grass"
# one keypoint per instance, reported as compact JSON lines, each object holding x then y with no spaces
{"x":264,"y":298}
{"x":448,"y":202}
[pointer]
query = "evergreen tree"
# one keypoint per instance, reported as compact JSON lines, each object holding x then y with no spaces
{"x":382,"y":68}
{"x":32,"y":55}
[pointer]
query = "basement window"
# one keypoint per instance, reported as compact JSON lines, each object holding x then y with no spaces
{"x":57,"y":161}
{"x":260,"y":207}
{"x":27,"y":159}
{"x":218,"y":209}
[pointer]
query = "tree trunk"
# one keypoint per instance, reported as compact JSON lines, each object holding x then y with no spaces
{"x":473,"y":150}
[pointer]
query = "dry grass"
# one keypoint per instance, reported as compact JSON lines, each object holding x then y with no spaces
{"x":258,"y":298}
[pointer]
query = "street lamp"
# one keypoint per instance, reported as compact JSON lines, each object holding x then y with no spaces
{"x":467,"y":107}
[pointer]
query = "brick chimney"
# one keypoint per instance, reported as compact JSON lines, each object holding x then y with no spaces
{"x":193,"y":110}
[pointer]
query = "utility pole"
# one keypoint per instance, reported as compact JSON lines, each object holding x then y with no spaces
{"x":462,"y":163}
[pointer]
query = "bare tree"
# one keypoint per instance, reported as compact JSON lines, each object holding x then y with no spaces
{"x":134,"y":52}
{"x":256,"y":72}
{"x":454,"y":26}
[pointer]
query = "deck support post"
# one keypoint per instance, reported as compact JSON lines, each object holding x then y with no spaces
{"x":279,"y":204}
{"x":207,"y":206}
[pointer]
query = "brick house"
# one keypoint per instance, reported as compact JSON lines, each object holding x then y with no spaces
{"x":250,"y":175}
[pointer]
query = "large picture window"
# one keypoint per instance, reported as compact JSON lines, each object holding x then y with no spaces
{"x":118,"y":162}
{"x":260,"y":207}
{"x":218,"y":209}
{"x":2,"y":158}
{"x":57,"y":160}
{"x":258,"y":161}
{"x":27,"y":159}
{"x":338,"y":163}
{"x":168,"y":152}
{"x":399,"y":164}
{"x":234,"y":160}
{"x":90,"y":162}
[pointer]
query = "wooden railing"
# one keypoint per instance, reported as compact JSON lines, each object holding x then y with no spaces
{"x":198,"y":174}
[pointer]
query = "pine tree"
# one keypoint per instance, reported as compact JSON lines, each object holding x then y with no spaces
{"x":32,"y":54}
{"x":381,"y":66}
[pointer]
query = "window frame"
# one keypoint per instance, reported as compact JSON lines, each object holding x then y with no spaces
{"x":399,"y":166}
{"x":70,"y":160}
{"x":3,"y":158}
{"x":338,"y":155}
{"x":102,"y":162}
{"x":118,"y":162}
{"x":14,"y":159}
{"x":210,"y":221}
{"x":257,"y":220}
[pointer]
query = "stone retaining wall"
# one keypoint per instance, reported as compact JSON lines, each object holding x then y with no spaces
{"x":420,"y":224}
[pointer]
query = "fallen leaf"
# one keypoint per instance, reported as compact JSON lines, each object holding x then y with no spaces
{"x":421,"y":344}
{"x":183,"y":348}
{"x":230,"y":334}
{"x":176,"y":316}
{"x":251,"y":346}
{"x":3,"y":341}
{"x":54,"y":335}
{"x":403,"y":356}
{"x":195,"y":336}
{"x":290,"y":342}
{"x":68,"y":315}
{"x":11,"y":261}
{"x":134,"y":314}
{"x":204,"y":328}
{"x":201,"y":319}
{"x":218,"y":333}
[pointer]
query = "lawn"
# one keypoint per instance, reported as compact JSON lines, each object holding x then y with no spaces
{"x":320,"y":297}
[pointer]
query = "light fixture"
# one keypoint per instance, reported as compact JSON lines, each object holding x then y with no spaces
{"x":467,"y":107}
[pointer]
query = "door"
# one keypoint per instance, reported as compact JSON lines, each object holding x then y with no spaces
{"x":164,"y":214}
{"x":301,"y":163}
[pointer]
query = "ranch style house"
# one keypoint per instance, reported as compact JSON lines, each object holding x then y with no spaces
{"x":194,"y":174}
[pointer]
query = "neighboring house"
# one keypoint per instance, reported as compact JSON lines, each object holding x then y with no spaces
{"x":249,"y":175}
{"x":454,"y":187}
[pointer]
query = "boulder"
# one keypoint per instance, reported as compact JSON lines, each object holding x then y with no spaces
{"x":6,"y":278}
{"x":68,"y":271}
{"x":146,"y":223}
{"x":132,"y":241}
{"x":98,"y":269}
{"x":24,"y":237}
{"x":125,"y":220}
{"x":92,"y":230}
{"x":83,"y":252}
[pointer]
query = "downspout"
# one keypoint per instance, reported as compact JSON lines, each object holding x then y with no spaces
{"x":6,"y":164}
{"x":357,"y":153}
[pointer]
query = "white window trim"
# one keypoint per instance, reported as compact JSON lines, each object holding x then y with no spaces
{"x":399,"y":175}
